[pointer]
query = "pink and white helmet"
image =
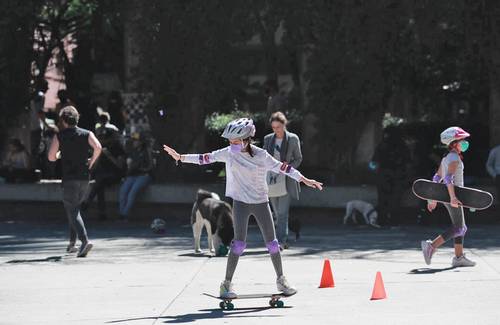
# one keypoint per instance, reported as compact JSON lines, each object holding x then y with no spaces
{"x":453,"y":133}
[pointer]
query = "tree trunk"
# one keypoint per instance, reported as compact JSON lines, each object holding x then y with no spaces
{"x":494,"y":114}
{"x":494,"y":73}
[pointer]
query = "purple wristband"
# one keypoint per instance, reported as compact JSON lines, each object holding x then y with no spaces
{"x":436,"y":178}
{"x":448,"y":179}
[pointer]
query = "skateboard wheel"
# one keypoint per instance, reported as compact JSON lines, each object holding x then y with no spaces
{"x":222,"y":305}
{"x":280,"y":304}
{"x":229,"y":306}
{"x":272,"y":303}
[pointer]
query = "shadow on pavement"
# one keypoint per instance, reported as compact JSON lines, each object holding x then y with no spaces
{"x":28,"y":238}
{"x":426,"y":270}
{"x":48,"y":259}
{"x":197,"y":255}
{"x":206,"y":314}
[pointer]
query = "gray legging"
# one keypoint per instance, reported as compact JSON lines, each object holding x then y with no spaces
{"x":458,"y":228}
{"x":262,"y":214}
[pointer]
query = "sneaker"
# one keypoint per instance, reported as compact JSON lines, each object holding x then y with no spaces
{"x":71,"y":248}
{"x":226,"y":290}
{"x":85,"y":249}
{"x":285,"y":287}
{"x":462,"y":261}
{"x":427,"y":250}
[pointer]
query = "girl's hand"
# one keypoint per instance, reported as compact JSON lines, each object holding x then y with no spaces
{"x":454,"y":202}
{"x":172,"y":152}
{"x":313,"y":183}
{"x":431,"y":205}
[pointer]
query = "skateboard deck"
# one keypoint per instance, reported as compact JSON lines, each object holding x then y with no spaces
{"x":274,"y":299}
{"x":471,"y":198}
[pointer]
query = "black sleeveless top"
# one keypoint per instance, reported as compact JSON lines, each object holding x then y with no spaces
{"x":74,"y":146}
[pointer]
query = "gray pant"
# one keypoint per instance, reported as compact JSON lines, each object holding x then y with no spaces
{"x":74,"y":193}
{"x":281,"y":209}
{"x":262,"y":214}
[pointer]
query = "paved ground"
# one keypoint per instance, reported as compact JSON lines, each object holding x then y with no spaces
{"x":136,"y":277}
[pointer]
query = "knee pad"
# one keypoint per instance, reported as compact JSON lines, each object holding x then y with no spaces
{"x":459,"y":231}
{"x":237,"y":247}
{"x":273,"y":246}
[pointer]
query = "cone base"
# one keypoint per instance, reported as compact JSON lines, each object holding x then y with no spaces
{"x":326,"y":286}
{"x":378,"y":298}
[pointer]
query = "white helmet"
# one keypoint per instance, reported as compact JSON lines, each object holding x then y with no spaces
{"x":453,"y":133}
{"x":239,"y":129}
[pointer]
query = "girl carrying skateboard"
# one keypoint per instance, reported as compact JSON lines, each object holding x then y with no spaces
{"x":451,"y":172}
{"x":246,"y":171}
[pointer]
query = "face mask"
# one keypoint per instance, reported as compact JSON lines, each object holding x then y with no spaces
{"x":236,"y":147}
{"x":464,"y":145}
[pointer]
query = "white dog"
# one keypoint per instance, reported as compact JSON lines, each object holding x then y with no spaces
{"x":366,"y":209}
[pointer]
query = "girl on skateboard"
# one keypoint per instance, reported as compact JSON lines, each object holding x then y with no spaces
{"x":246,"y":171}
{"x":451,"y":172}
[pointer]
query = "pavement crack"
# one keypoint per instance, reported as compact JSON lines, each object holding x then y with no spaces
{"x":473,"y":251}
{"x":181,"y":291}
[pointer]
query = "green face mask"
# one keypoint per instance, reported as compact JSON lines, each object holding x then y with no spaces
{"x":464,"y":145}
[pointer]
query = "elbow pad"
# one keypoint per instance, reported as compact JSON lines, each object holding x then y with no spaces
{"x":448,"y":179}
{"x":436,"y":178}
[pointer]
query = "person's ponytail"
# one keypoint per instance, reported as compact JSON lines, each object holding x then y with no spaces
{"x":249,"y":149}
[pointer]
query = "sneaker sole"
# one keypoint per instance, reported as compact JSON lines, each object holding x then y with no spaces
{"x":427,"y":261}
{"x":463,"y":265}
{"x":289,"y":294}
{"x":86,"y":250}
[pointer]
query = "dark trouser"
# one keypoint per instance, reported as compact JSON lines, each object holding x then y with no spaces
{"x":281,"y":208}
{"x":99,"y":189}
{"x":131,"y":187}
{"x":74,"y":192}
{"x":458,"y":228}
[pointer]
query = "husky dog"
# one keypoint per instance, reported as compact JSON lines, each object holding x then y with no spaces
{"x":216,"y":216}
{"x":366,"y":209}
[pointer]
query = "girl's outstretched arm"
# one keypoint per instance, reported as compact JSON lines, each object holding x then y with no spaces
{"x":200,"y":159}
{"x":282,"y":167}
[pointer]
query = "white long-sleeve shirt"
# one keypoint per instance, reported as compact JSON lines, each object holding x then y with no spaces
{"x":493,"y":163}
{"x":245,"y":175}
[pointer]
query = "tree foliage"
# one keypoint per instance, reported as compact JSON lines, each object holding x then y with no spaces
{"x":424,"y":60}
{"x":17,"y":21}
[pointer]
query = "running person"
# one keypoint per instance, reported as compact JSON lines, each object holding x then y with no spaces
{"x":72,"y":145}
{"x":246,"y":171}
{"x":451,"y":172}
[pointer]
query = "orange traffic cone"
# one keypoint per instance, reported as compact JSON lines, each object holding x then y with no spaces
{"x":327,"y":276}
{"x":378,"y":288}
